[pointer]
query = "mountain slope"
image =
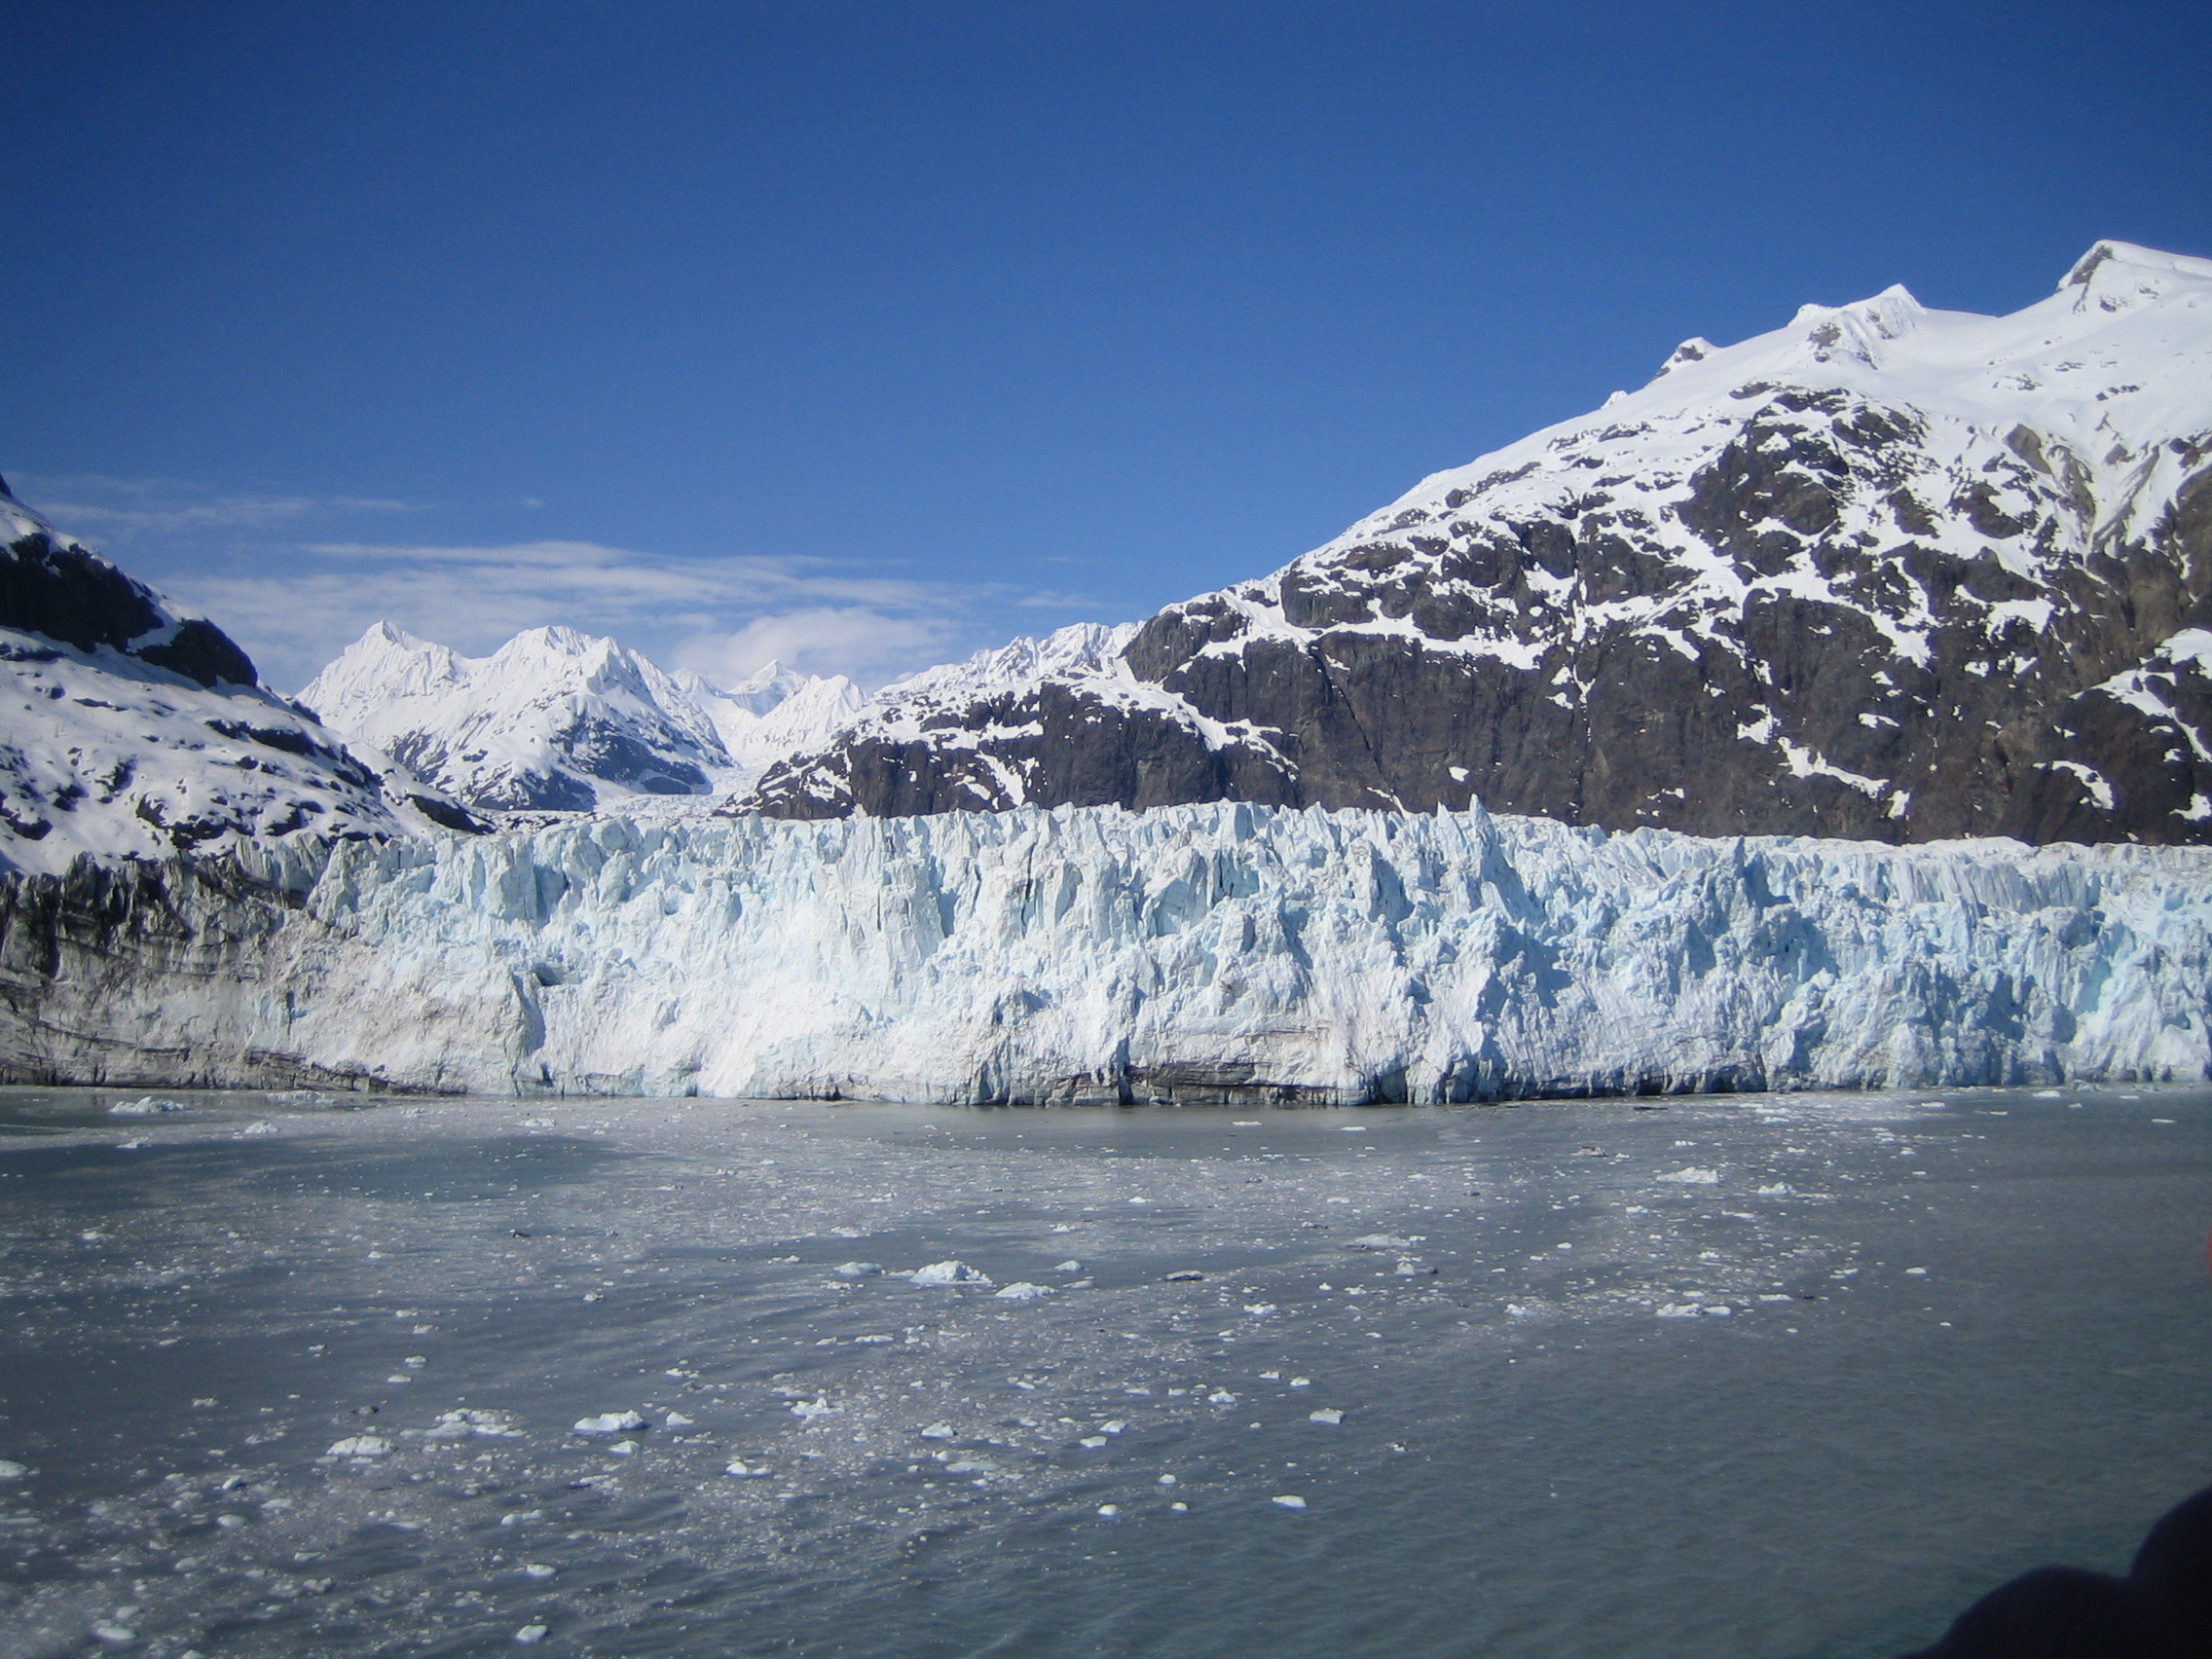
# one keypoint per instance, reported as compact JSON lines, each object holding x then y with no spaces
{"x":1887,"y":574}
{"x":130,"y":725}
{"x":554,"y":719}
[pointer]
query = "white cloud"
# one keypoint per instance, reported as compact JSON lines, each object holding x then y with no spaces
{"x":864,"y":645}
{"x":294,"y":604}
{"x":723,"y":617}
{"x":124,"y":507}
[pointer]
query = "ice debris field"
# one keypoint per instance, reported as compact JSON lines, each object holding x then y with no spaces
{"x":281,"y":1373}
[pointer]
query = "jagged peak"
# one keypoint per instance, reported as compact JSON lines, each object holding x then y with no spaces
{"x":2108,"y":251}
{"x":2118,"y":275}
{"x":1695,"y":349}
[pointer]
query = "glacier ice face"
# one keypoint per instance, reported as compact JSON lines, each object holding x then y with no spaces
{"x":1200,"y":953}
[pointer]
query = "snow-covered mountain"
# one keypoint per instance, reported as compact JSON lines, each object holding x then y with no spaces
{"x":134,"y":725}
{"x":1885,"y":572}
{"x":561,"y":720}
{"x":772,"y":714}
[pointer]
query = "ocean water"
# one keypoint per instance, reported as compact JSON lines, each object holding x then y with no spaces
{"x":1769,"y":1376}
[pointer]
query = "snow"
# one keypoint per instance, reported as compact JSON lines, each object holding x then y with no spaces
{"x":2099,"y":395}
{"x":104,"y":752}
{"x":1202,"y":952}
{"x":555,"y":716}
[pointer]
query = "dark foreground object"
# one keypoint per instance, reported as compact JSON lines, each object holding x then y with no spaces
{"x":2163,"y":1609}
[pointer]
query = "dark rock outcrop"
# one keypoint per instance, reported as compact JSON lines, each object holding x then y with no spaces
{"x":1791,"y":603}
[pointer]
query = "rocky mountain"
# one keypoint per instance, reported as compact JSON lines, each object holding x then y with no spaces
{"x":136,"y":726}
{"x":1887,"y":572}
{"x":556,"y":719}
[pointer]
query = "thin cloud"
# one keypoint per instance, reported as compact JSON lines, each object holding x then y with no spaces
{"x":128,"y":507}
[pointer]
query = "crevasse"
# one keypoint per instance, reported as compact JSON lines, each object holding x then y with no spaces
{"x":1197,"y":953}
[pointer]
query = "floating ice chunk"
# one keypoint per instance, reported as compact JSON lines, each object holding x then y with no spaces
{"x":1678,"y":1311}
{"x":1140,"y":1200}
{"x":1021,"y":1290}
{"x":1780,"y":1190}
{"x":1180,"y":1508}
{"x":1062,"y":1227}
{"x":1691,"y":1176}
{"x":1719,"y":1309}
{"x":1259,"y":1309}
{"x":531,"y":1634}
{"x":230,"y":1523}
{"x":1166,"y":1480}
{"x":259,"y":1126}
{"x":745,"y":1471}
{"x":2050,"y":1095}
{"x":112,"y":1634}
{"x":610,"y":1423}
{"x":1245,"y":1123}
{"x":1113,"y":1426}
{"x":593,"y":1296}
{"x":462,"y":1424}
{"x":1069,"y":1266}
{"x":360,"y":1446}
{"x":1092,"y":1442}
{"x":1221,"y":1397}
{"x":1109,"y":1510}
{"x":537,"y":1123}
{"x":146,"y":1106}
{"x":11,"y":1471}
{"x":858,"y":1270}
{"x":1182,"y":1275}
{"x":1329,"y":1415}
{"x":1407,"y":1270}
{"x":1917,"y":1273}
{"x":948,"y":1273}
{"x":1302,"y":1382}
{"x":1389,"y":1242}
{"x":938,"y":1431}
{"x":819,"y":1406}
{"x":133,"y":1144}
{"x":847,"y":1233}
{"x":677,"y":1420}
{"x":1289,"y":1500}
{"x":536,"y":1569}
{"x":624,"y":1448}
{"x":1352,"y":1128}
{"x":521,"y":1517}
{"x":874,"y":1338}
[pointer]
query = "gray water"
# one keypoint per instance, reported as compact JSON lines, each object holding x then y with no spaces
{"x":1533,"y":1458}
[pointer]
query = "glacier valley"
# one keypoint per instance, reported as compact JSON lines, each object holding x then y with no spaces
{"x":1207,"y":953}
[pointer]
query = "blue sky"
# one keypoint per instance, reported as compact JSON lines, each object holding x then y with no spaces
{"x":870,"y":334}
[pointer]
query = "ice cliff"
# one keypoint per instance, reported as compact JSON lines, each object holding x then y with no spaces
{"x":1196,"y":953}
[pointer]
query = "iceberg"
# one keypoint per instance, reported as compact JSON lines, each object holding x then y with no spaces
{"x":1208,"y":953}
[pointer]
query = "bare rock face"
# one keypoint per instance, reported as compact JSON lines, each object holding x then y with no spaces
{"x":1886,"y":573}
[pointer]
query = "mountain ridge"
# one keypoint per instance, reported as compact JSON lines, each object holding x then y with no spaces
{"x":1887,"y":572}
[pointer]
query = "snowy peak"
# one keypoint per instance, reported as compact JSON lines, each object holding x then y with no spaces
{"x":558,"y":720}
{"x":2116,"y":275}
{"x":554,"y":719}
{"x":1887,"y":572}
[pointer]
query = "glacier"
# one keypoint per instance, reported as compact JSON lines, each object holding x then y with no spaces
{"x":1204,"y":953}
